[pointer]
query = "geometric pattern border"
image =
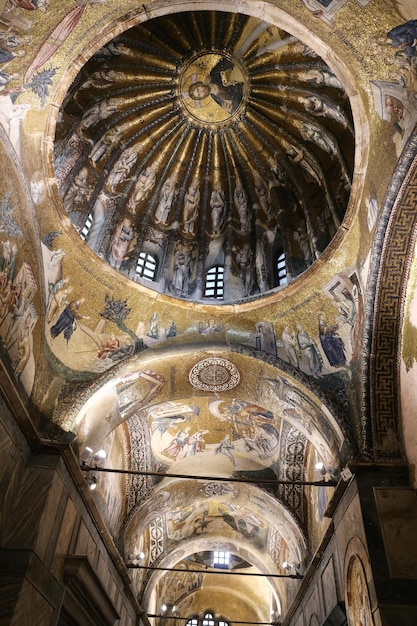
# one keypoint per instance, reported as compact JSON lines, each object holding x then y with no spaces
{"x":391,"y":259}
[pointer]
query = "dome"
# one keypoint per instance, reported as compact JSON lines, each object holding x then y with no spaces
{"x":207,"y":156}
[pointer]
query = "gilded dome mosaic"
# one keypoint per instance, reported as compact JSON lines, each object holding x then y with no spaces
{"x":207,"y":156}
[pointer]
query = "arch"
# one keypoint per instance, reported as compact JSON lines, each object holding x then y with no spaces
{"x":358,"y":605}
{"x":356,"y":562}
{"x":389,"y":271}
{"x":119,"y":408}
{"x":314,"y":620}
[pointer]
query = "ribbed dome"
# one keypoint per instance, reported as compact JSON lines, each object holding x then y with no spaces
{"x":206,"y":155}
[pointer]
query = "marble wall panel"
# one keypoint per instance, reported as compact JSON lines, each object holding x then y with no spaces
{"x":85,"y":543}
{"x":49,"y":516}
{"x":22,"y":507}
{"x":328,"y":583}
{"x":43,"y":520}
{"x":64,"y":538}
{"x":32,"y":609}
{"x":6,"y":445}
{"x":398,"y":513}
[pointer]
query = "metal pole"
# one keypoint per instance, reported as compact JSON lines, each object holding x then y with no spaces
{"x":232,"y":479}
{"x":219,"y":571}
{"x":231,"y":622}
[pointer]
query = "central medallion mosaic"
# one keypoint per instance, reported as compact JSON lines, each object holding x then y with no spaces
{"x":213,"y":87}
{"x":214,"y":374}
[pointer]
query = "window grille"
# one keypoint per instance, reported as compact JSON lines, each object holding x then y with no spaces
{"x":214,"y":287}
{"x":87,"y":226}
{"x":207,"y":619}
{"x":282,"y":270}
{"x":146,"y":266}
{"x":221,"y":558}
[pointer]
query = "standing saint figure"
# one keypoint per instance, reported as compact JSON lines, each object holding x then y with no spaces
{"x":241,"y":202}
{"x":121,"y":243}
{"x":110,"y":138}
{"x":310,"y":350}
{"x":244,"y":262}
{"x":144,"y":184}
{"x":262,"y":193}
{"x":78,"y":191}
{"x":291,"y":346}
{"x":332,"y":344}
{"x":100,"y":111}
{"x":183,"y":265}
{"x":167,"y":198}
{"x":67,"y":321}
{"x":191,"y":207}
{"x":218,"y":206}
{"x":121,"y":170}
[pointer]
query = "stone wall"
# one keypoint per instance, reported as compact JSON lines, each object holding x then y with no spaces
{"x":321,"y":598}
{"x":54,"y":565}
{"x":364,"y":573}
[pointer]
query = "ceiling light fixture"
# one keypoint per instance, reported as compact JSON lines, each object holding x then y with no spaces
{"x":328,"y":473}
{"x":320,"y":467}
{"x":91,"y":482}
{"x":100,"y":455}
{"x":286,"y":566}
{"x":87,"y":453}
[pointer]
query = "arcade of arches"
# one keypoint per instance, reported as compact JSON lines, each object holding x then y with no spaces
{"x":208,"y":319}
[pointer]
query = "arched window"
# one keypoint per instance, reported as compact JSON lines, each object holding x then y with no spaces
{"x":214,"y":287}
{"x":207,"y":619}
{"x":146,"y":266}
{"x":221,"y":559}
{"x":282,"y":270}
{"x":87,"y":226}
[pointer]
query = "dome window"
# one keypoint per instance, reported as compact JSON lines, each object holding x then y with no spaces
{"x":282,"y":270}
{"x":215,"y":283}
{"x":87,"y":226}
{"x":221,"y":559}
{"x":146,"y":266}
{"x":207,"y":620}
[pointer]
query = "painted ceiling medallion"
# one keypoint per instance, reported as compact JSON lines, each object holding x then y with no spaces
{"x":213,"y":87}
{"x":214,"y":374}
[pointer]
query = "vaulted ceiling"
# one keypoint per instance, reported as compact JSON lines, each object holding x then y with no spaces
{"x":172,"y":143}
{"x":150,"y":170}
